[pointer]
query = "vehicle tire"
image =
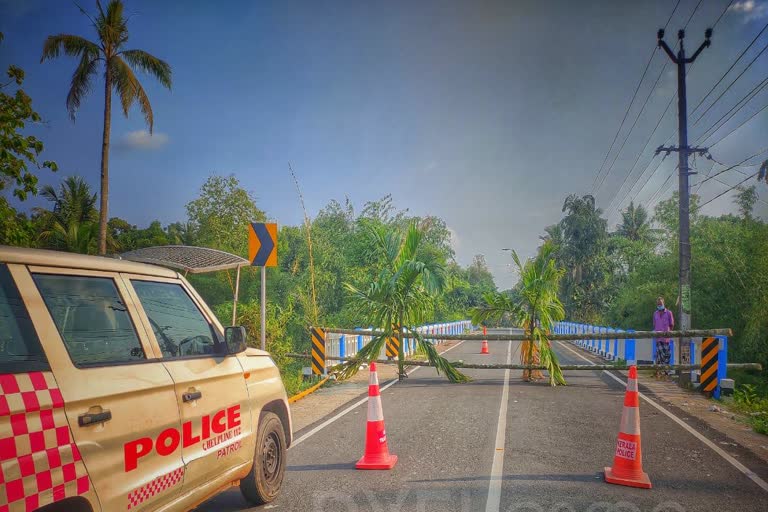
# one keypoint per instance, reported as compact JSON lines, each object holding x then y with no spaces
{"x":263,"y":483}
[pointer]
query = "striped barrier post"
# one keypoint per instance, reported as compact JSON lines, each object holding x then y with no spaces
{"x":318,"y":351}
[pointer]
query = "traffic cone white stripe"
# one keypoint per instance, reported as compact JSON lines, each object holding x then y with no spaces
{"x":632,"y":385}
{"x":630,"y":421}
{"x":375,"y":411}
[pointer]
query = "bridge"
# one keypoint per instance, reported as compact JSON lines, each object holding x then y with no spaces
{"x":501,"y":444}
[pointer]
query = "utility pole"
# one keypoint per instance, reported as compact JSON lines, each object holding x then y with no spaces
{"x":684,"y":312}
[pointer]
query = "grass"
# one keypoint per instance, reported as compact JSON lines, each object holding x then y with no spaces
{"x":751,"y":398}
{"x":293,"y":378}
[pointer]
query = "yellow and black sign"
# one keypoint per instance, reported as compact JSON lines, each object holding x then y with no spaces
{"x":393,"y":344}
{"x":262,"y":244}
{"x":710,"y":347}
{"x":318,"y":351}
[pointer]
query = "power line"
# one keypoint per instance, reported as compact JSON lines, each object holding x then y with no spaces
{"x":729,"y":69}
{"x":731,"y":84}
{"x":634,"y":95}
{"x":747,"y":120}
{"x":734,"y":166}
{"x":723,"y":13}
{"x":739,"y":184}
{"x":734,"y":110}
{"x":617,"y":204}
{"x":728,"y":185}
{"x":637,"y":118}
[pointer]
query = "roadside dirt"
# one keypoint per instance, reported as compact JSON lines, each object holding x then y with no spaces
{"x":730,"y":424}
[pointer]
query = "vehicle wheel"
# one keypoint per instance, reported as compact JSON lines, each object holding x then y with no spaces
{"x":263,"y":483}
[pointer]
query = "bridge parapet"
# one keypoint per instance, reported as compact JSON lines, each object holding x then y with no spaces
{"x":640,"y":351}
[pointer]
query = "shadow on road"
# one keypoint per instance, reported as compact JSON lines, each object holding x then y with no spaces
{"x":321,"y":467}
{"x":548,"y":478}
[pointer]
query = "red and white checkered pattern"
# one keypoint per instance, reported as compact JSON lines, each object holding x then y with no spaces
{"x":138,"y":496}
{"x":39,"y":462}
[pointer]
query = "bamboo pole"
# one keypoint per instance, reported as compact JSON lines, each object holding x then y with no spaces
{"x":637,"y":335}
{"x":591,"y":367}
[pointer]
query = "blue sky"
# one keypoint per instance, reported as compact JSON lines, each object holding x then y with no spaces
{"x":486,"y":114}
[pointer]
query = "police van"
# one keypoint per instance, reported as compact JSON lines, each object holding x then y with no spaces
{"x":120,"y":390}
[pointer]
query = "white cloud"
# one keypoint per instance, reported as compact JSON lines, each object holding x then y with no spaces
{"x":750,"y":9}
{"x":142,"y":140}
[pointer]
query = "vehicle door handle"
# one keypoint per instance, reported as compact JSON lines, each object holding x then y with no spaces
{"x":191,"y":395}
{"x":89,"y":418}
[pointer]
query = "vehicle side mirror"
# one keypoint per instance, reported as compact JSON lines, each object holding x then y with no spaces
{"x":235,"y":338}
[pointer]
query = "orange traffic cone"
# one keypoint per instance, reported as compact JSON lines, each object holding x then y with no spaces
{"x":628,"y":461}
{"x":484,"y":344}
{"x":376,"y":454}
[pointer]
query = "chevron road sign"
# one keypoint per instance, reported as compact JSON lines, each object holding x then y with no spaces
{"x":262,"y":244}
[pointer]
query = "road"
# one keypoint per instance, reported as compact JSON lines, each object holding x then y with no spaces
{"x":550,"y":456}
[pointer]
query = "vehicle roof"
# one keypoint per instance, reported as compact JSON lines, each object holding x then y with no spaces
{"x":47,"y":258}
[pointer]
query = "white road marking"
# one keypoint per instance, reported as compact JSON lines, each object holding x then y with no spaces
{"x":738,"y":465}
{"x":356,"y":404}
{"x":493,"y":504}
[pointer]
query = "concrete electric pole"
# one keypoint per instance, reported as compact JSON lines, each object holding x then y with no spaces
{"x":684,"y":312}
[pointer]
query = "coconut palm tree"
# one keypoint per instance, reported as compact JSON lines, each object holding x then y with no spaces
{"x":635,"y":224}
{"x":71,"y":223}
{"x":535,"y":308}
{"x":400,"y":297}
{"x":108,"y":53}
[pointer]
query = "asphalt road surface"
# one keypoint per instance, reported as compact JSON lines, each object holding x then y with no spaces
{"x":548,"y":455}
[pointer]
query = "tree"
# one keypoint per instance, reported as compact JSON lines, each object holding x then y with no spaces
{"x":400,"y":298}
{"x":536,"y":308}
{"x":118,"y":63}
{"x":221,"y":214}
{"x":635,"y":224}
{"x":70,"y":224}
{"x":583,"y":252}
{"x":17,"y":151}
{"x":745,"y":200}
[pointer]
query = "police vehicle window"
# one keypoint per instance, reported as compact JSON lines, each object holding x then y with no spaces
{"x":91,"y":318}
{"x":179,"y":326}
{"x":20,"y":349}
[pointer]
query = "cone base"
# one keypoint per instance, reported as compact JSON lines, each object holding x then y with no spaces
{"x":643,"y":482}
{"x":382,"y":462}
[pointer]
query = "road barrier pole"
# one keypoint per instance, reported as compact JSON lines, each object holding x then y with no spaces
{"x":342,"y":346}
{"x":722,"y":363}
{"x":318,"y":351}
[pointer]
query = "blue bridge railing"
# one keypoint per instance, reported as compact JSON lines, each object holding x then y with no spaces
{"x":635,"y":351}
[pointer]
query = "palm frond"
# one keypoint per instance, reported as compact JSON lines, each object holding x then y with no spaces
{"x":82,"y":79}
{"x":71,"y":45}
{"x":368,"y":353}
{"x":150,"y":64}
{"x":441,"y":364}
{"x":130,"y":90}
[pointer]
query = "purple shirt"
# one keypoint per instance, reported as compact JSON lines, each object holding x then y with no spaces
{"x":663,"y":321}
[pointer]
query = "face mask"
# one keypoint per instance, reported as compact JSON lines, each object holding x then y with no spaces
{"x":660,"y":308}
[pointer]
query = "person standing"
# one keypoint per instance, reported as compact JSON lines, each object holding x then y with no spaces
{"x":663,"y":320}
